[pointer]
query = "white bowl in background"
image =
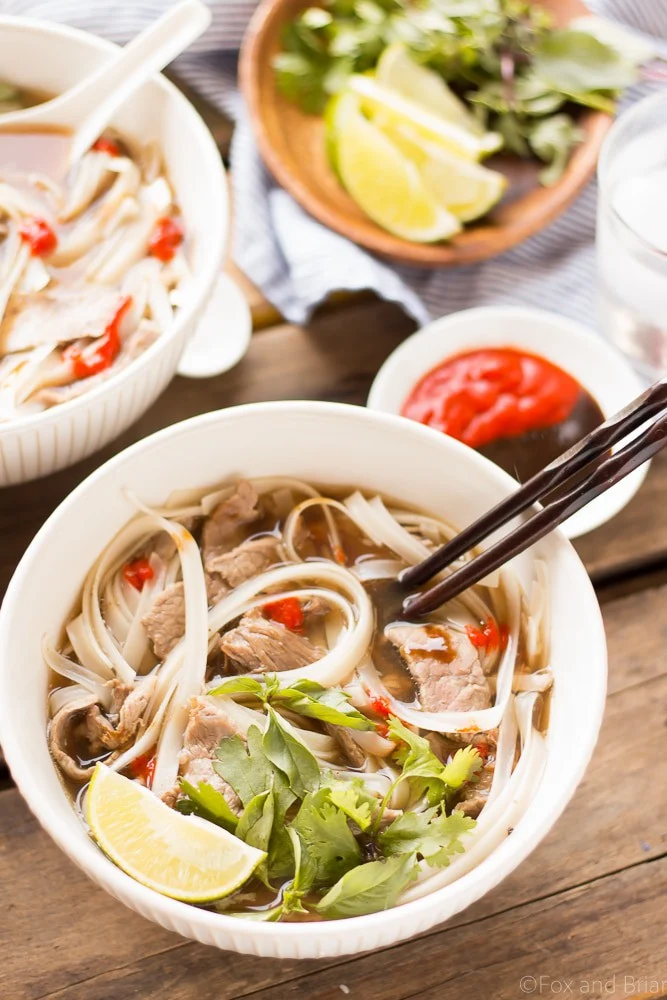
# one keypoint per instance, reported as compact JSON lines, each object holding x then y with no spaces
{"x":52,"y":58}
{"x":326,"y":443}
{"x":592,"y":361}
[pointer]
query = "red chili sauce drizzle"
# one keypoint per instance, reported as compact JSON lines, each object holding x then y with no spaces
{"x":101,"y":353}
{"x":517,"y":409}
{"x":138,"y":572}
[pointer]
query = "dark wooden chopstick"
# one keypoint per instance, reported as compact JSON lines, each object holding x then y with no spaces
{"x":557,"y":473}
{"x":639,"y":450}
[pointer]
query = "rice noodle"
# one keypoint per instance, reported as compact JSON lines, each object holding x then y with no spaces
{"x":377,"y":569}
{"x":135,"y":644}
{"x":195,"y":651}
{"x":505,"y":752}
{"x":539,"y":680}
{"x":84,"y":678}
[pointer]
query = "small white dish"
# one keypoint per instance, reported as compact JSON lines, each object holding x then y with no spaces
{"x":593,"y":362}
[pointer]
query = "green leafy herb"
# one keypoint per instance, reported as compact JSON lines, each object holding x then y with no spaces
{"x":327,"y":839}
{"x":574,"y":62}
{"x":246,"y":767}
{"x":437,"y":780}
{"x":430,"y":834}
{"x":352,"y":798}
{"x":290,"y":756}
{"x":294,"y":891}
{"x":369,"y":888}
{"x":553,"y":139}
{"x":208,"y":803}
{"x":325,"y":704}
{"x":242,"y":685}
{"x":256,"y":827}
{"x":303,"y":697}
{"x":250,"y":772}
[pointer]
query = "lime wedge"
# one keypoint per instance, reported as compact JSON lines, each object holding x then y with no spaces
{"x":180,"y":856}
{"x":466,"y":189}
{"x":383,"y":182}
{"x":398,"y":71}
{"x":386,"y":107}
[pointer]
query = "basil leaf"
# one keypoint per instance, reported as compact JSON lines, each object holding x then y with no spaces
{"x":325,"y":704}
{"x":290,"y":756}
{"x":576,"y":62}
{"x":256,"y":825}
{"x":208,"y":803}
{"x":238,"y":685}
{"x":369,"y":888}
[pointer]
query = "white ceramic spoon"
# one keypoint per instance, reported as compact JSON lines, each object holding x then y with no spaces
{"x":222,"y":335}
{"x":87,"y":108}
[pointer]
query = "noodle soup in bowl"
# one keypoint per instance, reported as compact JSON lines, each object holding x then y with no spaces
{"x":373,"y":466}
{"x":159,"y":174}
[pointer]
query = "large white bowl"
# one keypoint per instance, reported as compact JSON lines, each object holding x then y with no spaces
{"x":326,"y":443}
{"x":51,"y":58}
{"x":596,"y":365}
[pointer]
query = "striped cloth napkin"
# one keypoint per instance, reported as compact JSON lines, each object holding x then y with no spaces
{"x":295,"y":261}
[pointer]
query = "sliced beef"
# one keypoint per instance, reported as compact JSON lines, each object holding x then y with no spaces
{"x":207,"y":725}
{"x":165,"y":622}
{"x":444,"y":665}
{"x":258,"y":643}
{"x":245,"y":561}
{"x":474,"y":795}
{"x":56,"y":315}
{"x":82,"y":726}
{"x":351,"y":749}
{"x":216,"y":588}
{"x":222,"y":527}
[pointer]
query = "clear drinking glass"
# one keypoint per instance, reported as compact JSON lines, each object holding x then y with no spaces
{"x":632,"y":235}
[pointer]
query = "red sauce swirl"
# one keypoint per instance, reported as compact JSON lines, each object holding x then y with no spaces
{"x":494,"y":393}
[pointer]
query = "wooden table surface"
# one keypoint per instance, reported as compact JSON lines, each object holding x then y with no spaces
{"x":583,"y":916}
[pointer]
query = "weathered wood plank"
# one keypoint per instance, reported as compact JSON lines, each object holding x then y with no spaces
{"x":635,"y":540}
{"x":615,"y":821}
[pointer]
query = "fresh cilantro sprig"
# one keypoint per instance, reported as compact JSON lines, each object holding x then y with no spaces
{"x":428,"y":775}
{"x":317,"y":830}
{"x":304,"y":697}
{"x":431,"y":834}
{"x":208,"y":803}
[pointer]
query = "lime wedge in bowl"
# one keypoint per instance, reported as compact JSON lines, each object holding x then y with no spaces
{"x":387,"y":107}
{"x":382,"y":181}
{"x":180,"y":856}
{"x":398,"y":71}
{"x":468,"y":190}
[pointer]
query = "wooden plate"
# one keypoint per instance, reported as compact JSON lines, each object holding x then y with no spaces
{"x":292,"y":145}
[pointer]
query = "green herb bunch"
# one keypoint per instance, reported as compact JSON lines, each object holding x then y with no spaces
{"x":331,"y":847}
{"x":504,"y":57}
